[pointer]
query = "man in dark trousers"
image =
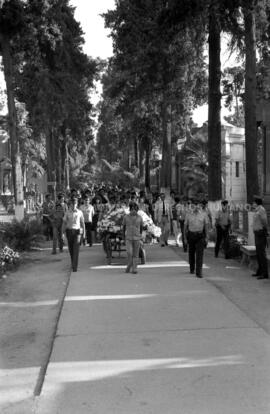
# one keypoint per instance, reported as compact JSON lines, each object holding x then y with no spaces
{"x":260,"y":233}
{"x":74,"y":227}
{"x":223,"y":225}
{"x":196,"y":235}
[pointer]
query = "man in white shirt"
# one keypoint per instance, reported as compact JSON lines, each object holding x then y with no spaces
{"x":88,"y":213}
{"x":73,"y":226}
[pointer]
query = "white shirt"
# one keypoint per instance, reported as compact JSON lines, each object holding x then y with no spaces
{"x":88,"y":212}
{"x":73,"y":219}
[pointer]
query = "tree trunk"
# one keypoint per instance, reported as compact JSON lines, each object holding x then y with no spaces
{"x":67,"y":168}
{"x":12,"y":123}
{"x":63,"y":163}
{"x":214,"y":110}
{"x":141,"y":161}
{"x":147,"y":166}
{"x":165,"y":179}
{"x":250,"y":103}
{"x":136,"y":158}
{"x":51,"y":170}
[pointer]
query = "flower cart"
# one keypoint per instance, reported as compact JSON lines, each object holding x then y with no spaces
{"x":111,"y":233}
{"x":113,"y":242}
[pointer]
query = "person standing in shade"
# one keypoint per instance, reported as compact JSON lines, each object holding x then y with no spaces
{"x":176,"y":208}
{"x":260,"y":233}
{"x":47,"y":208}
{"x":223,"y":225}
{"x":183,"y":210}
{"x":56,"y":218}
{"x":196,"y":234}
{"x":163,"y":217}
{"x":132,"y":229}
{"x":88,"y":213}
{"x":74,"y":228}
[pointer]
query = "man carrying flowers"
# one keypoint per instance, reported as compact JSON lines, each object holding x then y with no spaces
{"x":132,"y":228}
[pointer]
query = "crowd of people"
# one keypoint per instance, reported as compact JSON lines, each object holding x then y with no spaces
{"x":189,"y":221}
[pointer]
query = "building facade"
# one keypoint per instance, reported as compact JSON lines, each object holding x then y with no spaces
{"x":234,"y":164}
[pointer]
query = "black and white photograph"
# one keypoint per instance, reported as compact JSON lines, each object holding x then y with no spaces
{"x":134,"y":206}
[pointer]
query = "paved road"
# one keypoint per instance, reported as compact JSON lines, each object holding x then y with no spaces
{"x":161,"y":341}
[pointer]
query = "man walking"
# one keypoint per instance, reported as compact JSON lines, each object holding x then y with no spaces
{"x":47,"y":208}
{"x":56,"y":218}
{"x":223,"y":225}
{"x":260,"y":233}
{"x":196,"y":233}
{"x":73,"y":225}
{"x":163,"y":217}
{"x":88,"y":214}
{"x":132,"y":229}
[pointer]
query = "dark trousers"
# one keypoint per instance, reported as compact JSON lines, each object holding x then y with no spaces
{"x":73,"y":239}
{"x":222,"y":234}
{"x":88,"y":230}
{"x":47,"y":228}
{"x":182,"y":226}
{"x":260,"y":244}
{"x":57,"y":237}
{"x":196,"y":244}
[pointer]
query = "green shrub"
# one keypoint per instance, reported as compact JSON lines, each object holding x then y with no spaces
{"x":21,"y":235}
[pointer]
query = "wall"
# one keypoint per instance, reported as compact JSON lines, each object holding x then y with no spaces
{"x":234,"y":185}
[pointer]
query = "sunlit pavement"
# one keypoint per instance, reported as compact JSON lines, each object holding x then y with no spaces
{"x":160,"y":341}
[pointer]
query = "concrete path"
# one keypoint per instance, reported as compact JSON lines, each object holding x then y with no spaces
{"x":161,"y":341}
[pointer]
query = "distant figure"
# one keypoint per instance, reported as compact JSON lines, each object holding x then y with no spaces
{"x":73,"y":226}
{"x":260,"y":233}
{"x":56,"y":218}
{"x":223,"y":226}
{"x":132,"y":229}
{"x":176,"y":208}
{"x":47,"y":208}
{"x":88,"y":214}
{"x":163,"y":217}
{"x":196,"y":234}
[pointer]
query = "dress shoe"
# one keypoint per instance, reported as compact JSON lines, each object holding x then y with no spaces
{"x":162,"y":245}
{"x":262,"y":277}
{"x":199,"y":275}
{"x":134,"y":272}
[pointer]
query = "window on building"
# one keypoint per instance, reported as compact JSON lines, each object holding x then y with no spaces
{"x":237,"y":171}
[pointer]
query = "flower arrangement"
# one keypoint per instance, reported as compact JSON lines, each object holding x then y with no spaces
{"x":8,"y":257}
{"x":150,"y":227}
{"x":112,"y":222}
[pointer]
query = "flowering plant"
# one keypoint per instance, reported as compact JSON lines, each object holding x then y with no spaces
{"x":8,"y":256}
{"x":112,"y":222}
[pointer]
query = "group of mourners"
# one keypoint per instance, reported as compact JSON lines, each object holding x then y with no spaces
{"x":76,"y":216}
